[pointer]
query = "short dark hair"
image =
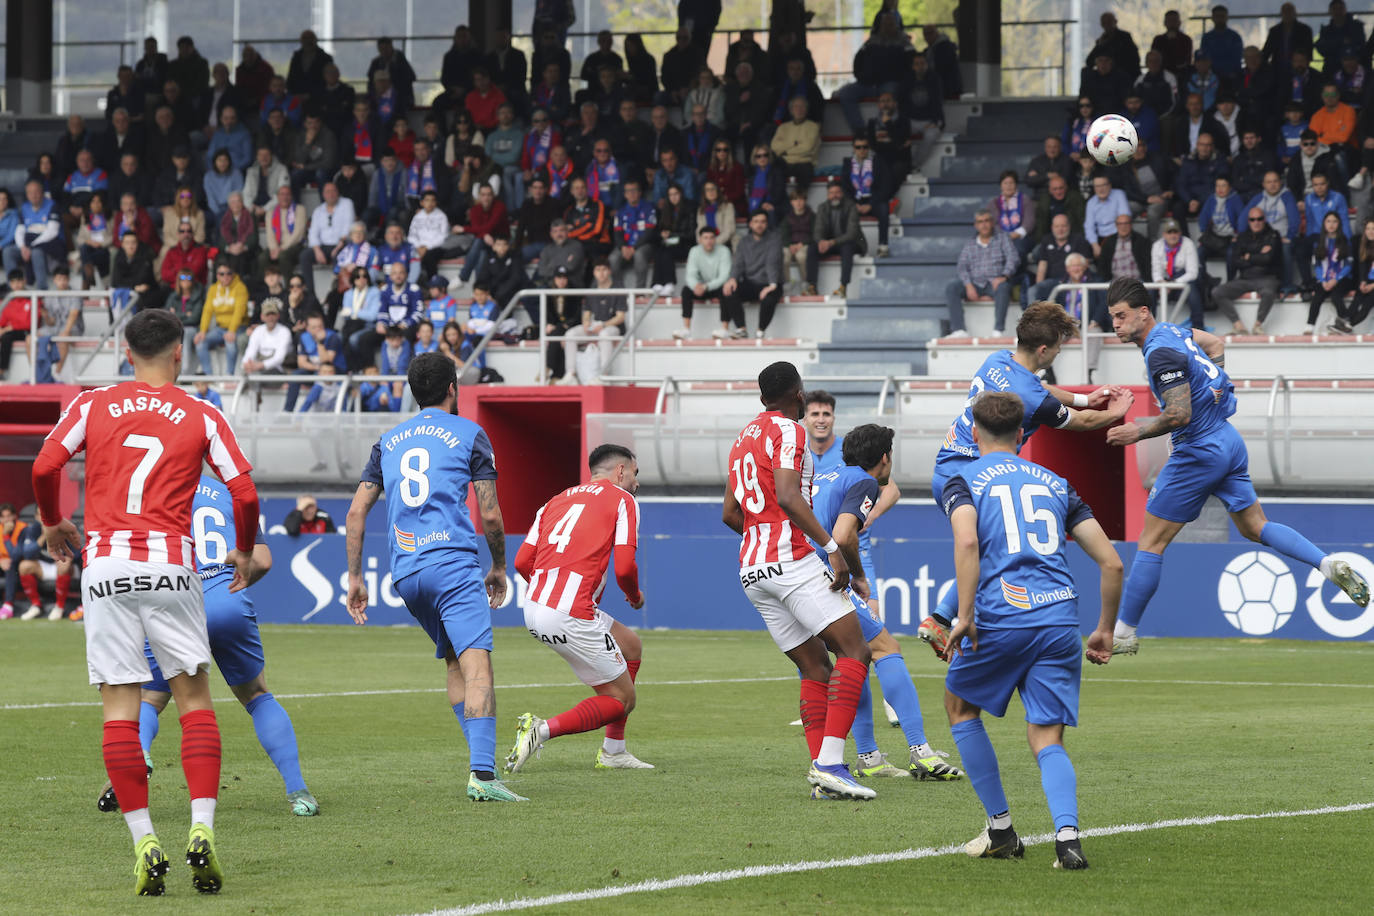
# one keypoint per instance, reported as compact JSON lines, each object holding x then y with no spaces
{"x":429,"y":377}
{"x":1044,"y":324}
{"x":998,"y":413}
{"x":152,"y":332}
{"x":1128,"y":290}
{"x":1009,"y":173}
{"x":8,"y":507}
{"x":864,"y":446}
{"x":820,"y":396}
{"x":608,"y":454}
{"x":778,"y":379}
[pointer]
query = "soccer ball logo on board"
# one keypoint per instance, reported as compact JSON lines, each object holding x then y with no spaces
{"x":1257,"y":594}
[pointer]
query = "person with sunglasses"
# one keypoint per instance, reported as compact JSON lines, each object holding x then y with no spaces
{"x":186,"y":254}
{"x":1258,"y":259}
{"x":226,"y":309}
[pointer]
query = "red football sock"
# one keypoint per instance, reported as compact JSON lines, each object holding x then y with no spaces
{"x":200,"y":753}
{"x":616,"y":730}
{"x":64,"y":585}
{"x":813,"y":706}
{"x":846,"y":683}
{"x":30,"y":585}
{"x":589,"y":715}
{"x":124,"y":764}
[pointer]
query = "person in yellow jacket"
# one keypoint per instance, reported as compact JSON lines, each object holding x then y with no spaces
{"x":797,"y":144}
{"x":226,"y":307}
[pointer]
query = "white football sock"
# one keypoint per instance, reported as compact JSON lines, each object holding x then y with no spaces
{"x":871,"y":759}
{"x":832,"y":751}
{"x":1124,"y":629}
{"x":543,"y":732}
{"x":140,"y":823}
{"x":203,"y":812}
{"x":613,"y":745}
{"x":1325,"y":566}
{"x":922,"y":750}
{"x":1000,"y":821}
{"x":1064,"y":834}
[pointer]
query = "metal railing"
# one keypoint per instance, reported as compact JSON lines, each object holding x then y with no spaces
{"x":1092,"y":340}
{"x":36,"y":314}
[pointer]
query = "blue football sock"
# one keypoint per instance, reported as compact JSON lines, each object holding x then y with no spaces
{"x":463,"y":723}
{"x":1060,"y":784}
{"x":862,"y":729}
{"x":278,"y":739}
{"x":147,"y":725}
{"x":481,"y":735}
{"x":1291,"y":544}
{"x":1140,"y":586}
{"x":980,"y":763}
{"x":948,"y":607}
{"x":900,"y":694}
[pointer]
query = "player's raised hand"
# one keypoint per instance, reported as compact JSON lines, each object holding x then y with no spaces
{"x":357,"y":600}
{"x":496,"y":587}
{"x":1100,"y":397}
{"x":1099,"y":650}
{"x":957,"y":633}
{"x":638,"y":601}
{"x":242,"y":562}
{"x":1120,"y":401}
{"x":62,"y":540}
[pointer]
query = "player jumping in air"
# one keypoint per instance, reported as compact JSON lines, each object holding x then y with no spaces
{"x":768,"y":502}
{"x":1196,"y":400}
{"x":564,"y":559}
{"x":845,"y":498}
{"x":1040,"y":334}
{"x":426,"y":463}
{"x":1018,"y":620}
{"x":139,"y":579}
{"x":236,"y":646}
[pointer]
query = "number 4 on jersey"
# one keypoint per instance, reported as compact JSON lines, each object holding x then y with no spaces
{"x":561,"y":535}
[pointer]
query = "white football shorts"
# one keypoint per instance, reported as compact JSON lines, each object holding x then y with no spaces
{"x":586,"y":645}
{"x":128,"y":601}
{"x":794,"y":599}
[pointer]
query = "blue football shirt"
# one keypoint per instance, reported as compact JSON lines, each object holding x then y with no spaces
{"x":425,"y":465}
{"x":999,"y":372}
{"x":844,"y":489}
{"x":1025,"y":513}
{"x":1172,"y":358}
{"x":212,"y":527}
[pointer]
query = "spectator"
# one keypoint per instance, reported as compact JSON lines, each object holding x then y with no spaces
{"x":151,"y":70}
{"x":748,"y":105}
{"x":226,"y":307}
{"x":755,"y":274}
{"x":451,"y":341}
{"x":1203,"y":81}
{"x":1148,"y":186}
{"x":386,"y":100}
{"x":1303,"y":85}
{"x":353,"y":184}
{"x":231,"y":136}
{"x":190,"y":71}
{"x":462,"y":57}
{"x":264,"y":177}
{"x":1157,"y":86}
{"x":1173,"y":45}
{"x":552,"y":95}
{"x":86,"y":179}
{"x":486,"y":220}
{"x":672,"y":173}
{"x":708,"y":93}
{"x":221,"y":181}
{"x":1085,"y":307}
{"x":1124,"y":254}
{"x":39,"y":243}
{"x":357,"y":314}
{"x":1050,"y":255}
{"x":1118,"y":46}
{"x":1281,"y":215}
{"x":602,"y":57}
{"x":129,"y":179}
{"x":708,"y":268}
{"x":785,"y":43}
{"x":328,"y":233}
{"x":1197,"y":176}
{"x":94,"y":239}
{"x":795,"y":83}
{"x":9,"y":222}
{"x":334,"y":102}
{"x":1222,"y":45}
{"x":986,"y":265}
{"x":427,"y":174}
{"x":305,"y":74}
{"x":603,"y":320}
{"x":396,"y":250}
{"x":484,"y":101}
{"x":889,"y":136}
{"x":1228,"y":116}
{"x":125,"y":95}
{"x":634,"y":237}
{"x":386,"y":199}
{"x":1341,"y":36}
{"x":536,"y":148}
{"x":1362,"y":298}
{"x":1105,"y":85}
{"x":1258,"y":260}
{"x":1014,"y":213}
{"x":681,"y":68}
{"x":121,"y":137}
{"x":1257,"y":93}
{"x":1222,"y":219}
{"x":1290,"y":133}
{"x":677,"y":221}
{"x":393,"y":358}
{"x":131,"y":274}
{"x":1188,"y":129}
{"x":1250,"y":164}
{"x":298,"y":304}
{"x":314,"y":154}
{"x":431,"y":235}
{"x":187,"y":302}
{"x":1286,"y":38}
{"x":581,"y":140}
{"x":1350,"y":81}
{"x":944,"y":60}
{"x":718,"y":213}
{"x":356,"y":252}
{"x":1075,"y":136}
{"x":394,"y":64}
{"x":183,"y":172}
{"x":1051,"y":161}
{"x":1334,"y":275}
{"x":283,"y":232}
{"x":729,"y":175}
{"x":923,"y":104}
{"x":504,"y":146}
{"x":442,"y":307}
{"x":477,"y":170}
{"x":1312,"y":160}
{"x":16,"y":321}
{"x":252,"y":77}
{"x":765,"y":187}
{"x":403,"y":305}
{"x":561,"y":252}
{"x":587,"y":220}
{"x":1174,"y":259}
{"x":363,"y":138}
{"x":1319,"y":203}
{"x":132,"y":216}
{"x":604,"y":176}
{"x":699,"y":139}
{"x":549,"y":49}
{"x":1142,"y":118}
{"x":797,"y":143}
{"x":481,"y":322}
{"x":238,"y":234}
{"x":402,"y":141}
{"x":660,"y":138}
{"x":1101,"y":211}
{"x":75,"y":139}
{"x":307,"y":518}
{"x":835,"y":227}
{"x":1334,"y":124}
{"x":503,"y":275}
{"x":270,"y":342}
{"x":164,"y":137}
{"x":533,"y":218}
{"x":879,"y":66}
{"x":1060,"y":198}
{"x":508,"y":66}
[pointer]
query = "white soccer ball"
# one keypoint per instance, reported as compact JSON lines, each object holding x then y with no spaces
{"x":1257,"y":593}
{"x":1112,"y":140}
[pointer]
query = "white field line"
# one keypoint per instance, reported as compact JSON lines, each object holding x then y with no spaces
{"x":877,"y":858}
{"x":1095,"y":680}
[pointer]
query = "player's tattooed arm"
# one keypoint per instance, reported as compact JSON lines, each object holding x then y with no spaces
{"x":494,"y":527}
{"x":1178,"y":410}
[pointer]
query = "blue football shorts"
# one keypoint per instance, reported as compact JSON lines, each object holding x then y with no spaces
{"x":1217,"y":464}
{"x":1042,"y":664}
{"x":450,"y":602}
{"x":234,"y":639}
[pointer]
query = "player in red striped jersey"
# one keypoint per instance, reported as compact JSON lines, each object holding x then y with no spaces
{"x":566,"y":558}
{"x":140,"y":580}
{"x":768,"y":503}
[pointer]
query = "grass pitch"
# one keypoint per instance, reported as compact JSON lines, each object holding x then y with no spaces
{"x":1187,"y":729}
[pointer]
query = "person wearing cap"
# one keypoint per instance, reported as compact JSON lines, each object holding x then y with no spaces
{"x":441,"y":308}
{"x":1174,"y":259}
{"x":835,"y":229}
{"x":708,"y":268}
{"x":270,"y":342}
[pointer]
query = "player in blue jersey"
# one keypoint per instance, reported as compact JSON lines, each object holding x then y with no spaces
{"x":1196,"y":399}
{"x":1040,"y":334}
{"x":426,"y":464}
{"x":1018,"y":620}
{"x":236,"y":646}
{"x":843,"y":500}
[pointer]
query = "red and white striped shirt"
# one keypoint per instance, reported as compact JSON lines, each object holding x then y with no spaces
{"x":769,"y":442}
{"x":566,"y":555}
{"x":145,"y":449}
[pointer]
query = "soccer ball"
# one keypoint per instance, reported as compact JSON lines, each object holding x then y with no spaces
{"x":1112,"y":140}
{"x":1257,"y":593}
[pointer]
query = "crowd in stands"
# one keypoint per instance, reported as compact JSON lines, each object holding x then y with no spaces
{"x":1247,"y":157}
{"x":530,"y":171}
